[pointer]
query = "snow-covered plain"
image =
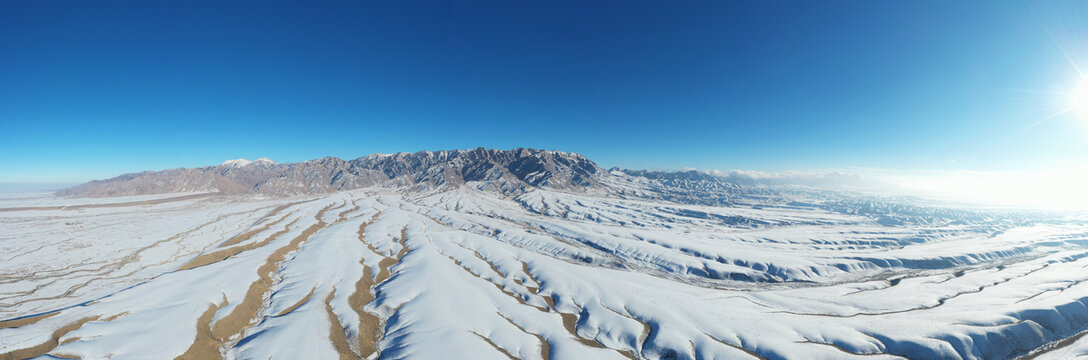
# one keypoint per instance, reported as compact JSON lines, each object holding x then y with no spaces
{"x":469,"y":274}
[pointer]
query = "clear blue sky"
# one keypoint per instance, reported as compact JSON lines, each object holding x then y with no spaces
{"x":91,"y":89}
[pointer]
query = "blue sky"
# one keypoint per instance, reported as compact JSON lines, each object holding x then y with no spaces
{"x":94,"y":89}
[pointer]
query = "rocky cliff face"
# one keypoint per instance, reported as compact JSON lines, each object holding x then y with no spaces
{"x":512,"y":169}
{"x":505,"y":171}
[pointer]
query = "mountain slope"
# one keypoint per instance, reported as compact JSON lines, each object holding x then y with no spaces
{"x":465,"y":273}
{"x":504,"y":171}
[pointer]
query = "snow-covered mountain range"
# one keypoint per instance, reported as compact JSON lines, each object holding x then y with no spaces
{"x":505,"y":171}
{"x":526,"y":254}
{"x":515,"y":172}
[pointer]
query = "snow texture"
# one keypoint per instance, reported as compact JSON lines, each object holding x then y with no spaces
{"x":464,"y":273}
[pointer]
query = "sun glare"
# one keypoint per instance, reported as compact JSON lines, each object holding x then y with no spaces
{"x":1054,"y":189}
{"x":1078,"y":100}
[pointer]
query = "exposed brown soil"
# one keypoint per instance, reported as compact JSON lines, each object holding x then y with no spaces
{"x":362,"y":232}
{"x":535,"y":289}
{"x":570,"y":322}
{"x":246,"y":312}
{"x":220,"y":255}
{"x":1057,"y":345}
{"x":369,"y":324}
{"x":383,"y":269}
{"x":96,"y":274}
{"x":385,"y":264}
{"x":45,"y":347}
{"x":646,"y":328}
{"x":26,"y":321}
{"x":499,"y":286}
{"x":545,"y":347}
{"x":205,"y":346}
{"x":336,"y":331}
{"x":344,"y":215}
{"x":741,"y":347}
{"x":248,"y":234}
{"x":497,"y":347}
{"x":285,"y":206}
{"x":403,"y":243}
{"x":291,"y":308}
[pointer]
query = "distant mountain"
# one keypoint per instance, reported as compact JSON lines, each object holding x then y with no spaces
{"x":505,"y":171}
{"x":237,"y":163}
{"x":519,"y":171}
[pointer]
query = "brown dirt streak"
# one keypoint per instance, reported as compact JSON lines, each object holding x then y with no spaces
{"x":388,"y":262}
{"x":646,"y":328}
{"x":403,"y":243}
{"x":741,"y":348}
{"x":525,"y":269}
{"x":497,"y":285}
{"x":497,"y":272}
{"x":220,"y":255}
{"x":383,"y":269}
{"x":545,"y":346}
{"x":1053,"y":345}
{"x":362,"y":232}
{"x":65,"y":356}
{"x":205,"y":345}
{"x":106,"y":265}
{"x":384,"y":272}
{"x":344,"y":215}
{"x":336,"y":331}
{"x":296,"y":305}
{"x":496,"y":346}
{"x":248,"y":234}
{"x":369,"y":325}
{"x":536,"y":290}
{"x":482,"y":258}
{"x":49,"y":345}
{"x":106,"y":268}
{"x":570,"y":322}
{"x":337,"y":207}
{"x":26,"y":320}
{"x":75,"y":338}
{"x":131,"y":203}
{"x":285,"y":206}
{"x":246,"y":312}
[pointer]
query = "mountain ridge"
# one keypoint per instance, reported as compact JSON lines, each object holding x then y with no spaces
{"x":509,"y":172}
{"x":505,"y":171}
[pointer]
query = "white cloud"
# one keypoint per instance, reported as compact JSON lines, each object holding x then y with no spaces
{"x":830,"y":180}
{"x":1064,"y":189}
{"x":1059,"y":189}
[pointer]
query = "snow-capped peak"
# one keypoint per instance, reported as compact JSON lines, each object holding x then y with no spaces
{"x":236,"y":163}
{"x":264,"y":161}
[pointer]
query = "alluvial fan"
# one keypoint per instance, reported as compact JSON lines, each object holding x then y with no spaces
{"x":525,"y":254}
